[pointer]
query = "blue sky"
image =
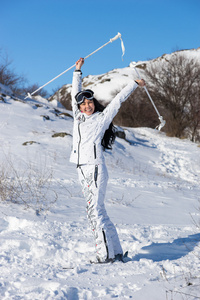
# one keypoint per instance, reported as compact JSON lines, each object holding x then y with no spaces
{"x":45,"y":37}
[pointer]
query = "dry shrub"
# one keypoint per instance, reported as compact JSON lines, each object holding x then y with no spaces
{"x":27,"y":185}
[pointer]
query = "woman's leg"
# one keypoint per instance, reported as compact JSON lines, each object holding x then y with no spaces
{"x":94,"y":182}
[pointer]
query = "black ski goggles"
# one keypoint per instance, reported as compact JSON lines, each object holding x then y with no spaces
{"x":80,"y":97}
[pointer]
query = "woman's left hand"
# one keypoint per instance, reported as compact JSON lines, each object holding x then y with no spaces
{"x":140,"y":82}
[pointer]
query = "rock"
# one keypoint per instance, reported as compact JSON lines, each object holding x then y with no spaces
{"x":60,"y":134}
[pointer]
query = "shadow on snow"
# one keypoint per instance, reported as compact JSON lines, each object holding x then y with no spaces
{"x":135,"y":141}
{"x":172,"y":251}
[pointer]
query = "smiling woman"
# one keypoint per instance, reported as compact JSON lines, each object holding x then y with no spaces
{"x":91,"y":122}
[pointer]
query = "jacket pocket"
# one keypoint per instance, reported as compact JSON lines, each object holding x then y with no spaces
{"x":95,"y":175}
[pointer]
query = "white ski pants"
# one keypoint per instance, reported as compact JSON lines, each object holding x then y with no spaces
{"x":93,"y":179}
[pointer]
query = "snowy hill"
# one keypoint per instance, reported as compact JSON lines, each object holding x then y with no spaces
{"x":104,"y":85}
{"x":152,"y":197}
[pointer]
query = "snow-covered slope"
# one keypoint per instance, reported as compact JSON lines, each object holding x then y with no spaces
{"x":152,"y":197}
{"x":104,"y":85}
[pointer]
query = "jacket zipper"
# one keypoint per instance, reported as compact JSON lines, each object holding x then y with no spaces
{"x":79,"y":132}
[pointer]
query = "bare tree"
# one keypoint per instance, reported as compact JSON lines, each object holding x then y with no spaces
{"x":9,"y":78}
{"x":32,"y":88}
{"x":174,"y":86}
{"x":136,"y":111}
{"x":194,"y":128}
{"x":7,"y":75}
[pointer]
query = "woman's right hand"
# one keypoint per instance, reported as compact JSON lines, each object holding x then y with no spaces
{"x":79,"y":63}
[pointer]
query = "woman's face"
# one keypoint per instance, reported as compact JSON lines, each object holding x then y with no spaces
{"x":87,"y":107}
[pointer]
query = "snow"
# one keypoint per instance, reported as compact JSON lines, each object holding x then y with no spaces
{"x":152,"y":197}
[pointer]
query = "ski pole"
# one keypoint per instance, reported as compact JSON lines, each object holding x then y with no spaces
{"x":162,"y":122}
{"x":110,"y":41}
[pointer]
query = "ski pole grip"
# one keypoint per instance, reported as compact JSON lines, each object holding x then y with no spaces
{"x":115,"y":37}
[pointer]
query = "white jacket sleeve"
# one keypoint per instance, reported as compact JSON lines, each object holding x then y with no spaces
{"x":112,"y":108}
{"x":76,"y":87}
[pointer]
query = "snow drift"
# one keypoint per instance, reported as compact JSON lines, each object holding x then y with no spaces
{"x":152,"y":197}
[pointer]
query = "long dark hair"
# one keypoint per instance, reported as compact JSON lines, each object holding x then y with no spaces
{"x":110,"y":134}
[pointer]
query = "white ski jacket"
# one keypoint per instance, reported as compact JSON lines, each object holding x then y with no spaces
{"x":88,"y":131}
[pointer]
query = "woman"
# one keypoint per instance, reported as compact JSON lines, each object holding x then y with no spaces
{"x":90,"y":124}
